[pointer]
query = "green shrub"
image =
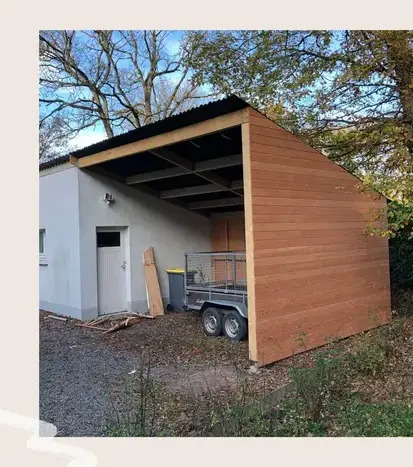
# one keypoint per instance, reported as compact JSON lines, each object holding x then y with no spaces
{"x":356,"y":418}
{"x":317,"y":386}
{"x":371,"y":356}
{"x":244,"y":421}
{"x":295,"y":421}
{"x":370,"y":359}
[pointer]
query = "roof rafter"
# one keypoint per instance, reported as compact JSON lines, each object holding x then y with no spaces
{"x":215,"y":203}
{"x":210,"y":164}
{"x":198,"y":190}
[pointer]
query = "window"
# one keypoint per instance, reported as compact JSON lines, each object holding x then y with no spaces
{"x":42,"y":247}
{"x":108,"y":239}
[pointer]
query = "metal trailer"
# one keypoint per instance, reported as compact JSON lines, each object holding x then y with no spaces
{"x":216,"y":284}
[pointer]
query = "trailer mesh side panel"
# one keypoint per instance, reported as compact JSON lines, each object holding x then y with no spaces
{"x":216,"y":271}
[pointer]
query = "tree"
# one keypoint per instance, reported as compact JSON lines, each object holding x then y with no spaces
{"x":348,"y":93}
{"x":53,"y":138}
{"x":119,"y":79}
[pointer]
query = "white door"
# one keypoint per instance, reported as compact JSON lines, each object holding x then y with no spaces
{"x":111,"y":272}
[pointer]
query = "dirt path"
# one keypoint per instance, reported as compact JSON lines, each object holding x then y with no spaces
{"x":83,"y":371}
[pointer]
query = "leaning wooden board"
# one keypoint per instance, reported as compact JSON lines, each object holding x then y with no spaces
{"x":152,"y":284}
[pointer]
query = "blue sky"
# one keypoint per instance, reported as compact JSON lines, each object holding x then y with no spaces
{"x":94,"y":134}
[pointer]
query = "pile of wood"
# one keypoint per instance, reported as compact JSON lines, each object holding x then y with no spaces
{"x":118,"y":321}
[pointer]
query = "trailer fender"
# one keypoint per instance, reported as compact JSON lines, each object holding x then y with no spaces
{"x":227,"y":305}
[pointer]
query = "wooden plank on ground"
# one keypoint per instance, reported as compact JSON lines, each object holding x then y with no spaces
{"x":155,"y":304}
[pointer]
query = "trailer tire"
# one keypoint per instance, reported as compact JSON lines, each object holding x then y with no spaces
{"x":235,"y":326}
{"x":212,"y":322}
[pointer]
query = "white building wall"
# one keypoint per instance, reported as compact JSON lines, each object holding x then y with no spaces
{"x":59,"y":278}
{"x":171,"y":230}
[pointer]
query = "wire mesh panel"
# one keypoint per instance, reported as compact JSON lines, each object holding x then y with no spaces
{"x":224,"y":272}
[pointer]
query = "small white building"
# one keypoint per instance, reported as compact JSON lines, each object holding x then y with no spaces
{"x":91,"y":250}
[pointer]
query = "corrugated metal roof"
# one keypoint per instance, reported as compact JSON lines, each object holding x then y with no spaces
{"x":53,"y":162}
{"x":198,"y":114}
{"x":189,"y":117}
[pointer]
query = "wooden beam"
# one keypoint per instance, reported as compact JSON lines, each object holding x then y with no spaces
{"x":191,"y":191}
{"x":185,"y":164}
{"x":198,"y":190}
{"x":212,"y":125}
{"x":238,"y":185}
{"x":219,"y":163}
{"x":173,"y":158}
{"x":152,"y":192}
{"x":74,"y":160}
{"x":225,"y":136}
{"x":156,"y":175}
{"x":106,"y":173}
{"x":210,"y":164}
{"x":214,"y":178}
{"x":140,"y":188}
{"x":216,"y":203}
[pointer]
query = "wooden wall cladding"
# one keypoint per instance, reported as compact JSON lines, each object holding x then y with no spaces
{"x":228,"y":234}
{"x":312,"y":273}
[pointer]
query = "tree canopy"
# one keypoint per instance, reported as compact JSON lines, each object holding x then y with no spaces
{"x":348,"y":93}
{"x":117,"y":79}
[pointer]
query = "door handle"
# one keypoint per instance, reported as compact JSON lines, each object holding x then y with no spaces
{"x":123,"y":266}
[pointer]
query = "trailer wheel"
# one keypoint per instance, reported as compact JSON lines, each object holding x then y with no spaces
{"x":212,"y":322}
{"x":235,"y":326}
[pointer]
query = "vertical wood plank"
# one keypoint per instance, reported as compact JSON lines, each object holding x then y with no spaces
{"x":249,"y":241}
{"x":155,"y":304}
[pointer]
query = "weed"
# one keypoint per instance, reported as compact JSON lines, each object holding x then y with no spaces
{"x":317,"y":386}
{"x":371,"y":358}
{"x":301,"y":340}
{"x":139,"y":414}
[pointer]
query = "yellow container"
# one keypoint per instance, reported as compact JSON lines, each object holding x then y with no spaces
{"x":175,"y":270}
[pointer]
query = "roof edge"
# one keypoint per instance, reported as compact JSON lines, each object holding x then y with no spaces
{"x":47,"y":164}
{"x":189,"y":117}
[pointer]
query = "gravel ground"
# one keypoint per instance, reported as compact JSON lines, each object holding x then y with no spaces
{"x":83,"y":371}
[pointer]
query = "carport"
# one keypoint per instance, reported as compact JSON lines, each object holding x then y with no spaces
{"x":298,"y":216}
